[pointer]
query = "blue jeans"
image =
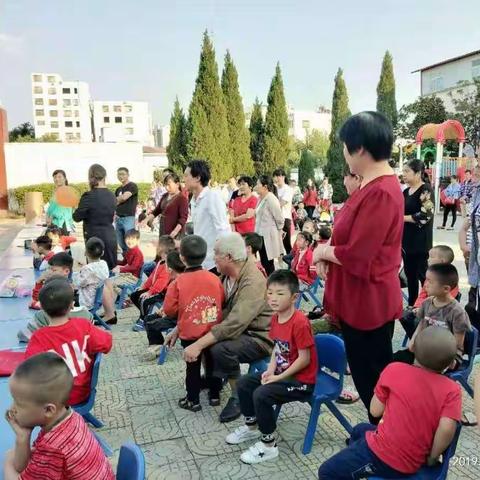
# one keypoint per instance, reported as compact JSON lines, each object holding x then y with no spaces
{"x":357,"y":460}
{"x":122,"y":226}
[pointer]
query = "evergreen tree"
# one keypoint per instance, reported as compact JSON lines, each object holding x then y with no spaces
{"x":177,"y":147}
{"x":276,"y":126}
{"x":257,"y":136}
{"x":386,"y":102}
{"x":208,"y":136}
{"x":306,"y":167}
{"x":335,"y":159}
{"x":239,"y":137}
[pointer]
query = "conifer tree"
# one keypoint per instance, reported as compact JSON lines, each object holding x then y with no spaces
{"x":257,"y":136}
{"x":386,"y":102}
{"x":177,"y":147}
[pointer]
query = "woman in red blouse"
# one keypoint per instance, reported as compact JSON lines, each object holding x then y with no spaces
{"x":242,"y":212}
{"x":310,"y":197}
{"x":362,"y":261}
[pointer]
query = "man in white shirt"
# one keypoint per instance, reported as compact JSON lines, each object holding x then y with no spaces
{"x":209,"y":213}
{"x":285,"y":195}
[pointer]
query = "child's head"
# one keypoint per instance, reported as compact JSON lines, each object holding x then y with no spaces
{"x":40,"y":388}
{"x":253,"y":242}
{"x":441,"y":279}
{"x":193,"y":250}
{"x":282,"y":290}
{"x":325,"y":233}
{"x":54,"y":233}
{"x":440,"y":254}
{"x":94,"y":248}
{"x":56,"y":297}
{"x":174,"y":264}
{"x":435,"y":348}
{"x":309,"y":226}
{"x":301,"y":205}
{"x":165,"y":244}
{"x":44,"y":244}
{"x":61,"y":263}
{"x":132,"y":238}
{"x":304,"y":240}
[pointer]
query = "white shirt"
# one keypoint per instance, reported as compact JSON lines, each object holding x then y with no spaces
{"x":88,"y":279}
{"x":209,"y":217}
{"x":285,"y":194}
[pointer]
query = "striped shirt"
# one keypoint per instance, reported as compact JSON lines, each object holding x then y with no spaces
{"x":68,"y":452}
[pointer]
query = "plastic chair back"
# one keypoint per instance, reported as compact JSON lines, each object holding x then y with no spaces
{"x":131,"y":463}
{"x":331,"y":356}
{"x":470,"y":344}
{"x":86,"y":406}
{"x":97,"y":303}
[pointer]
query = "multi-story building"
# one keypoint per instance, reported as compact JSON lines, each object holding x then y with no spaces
{"x":161,"y":134}
{"x":61,"y":108}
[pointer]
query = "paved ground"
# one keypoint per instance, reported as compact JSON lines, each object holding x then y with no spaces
{"x":137,"y":401}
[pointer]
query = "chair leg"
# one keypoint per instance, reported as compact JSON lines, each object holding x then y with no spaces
{"x":405,"y":341}
{"x":92,"y":419}
{"x":466,"y":386}
{"x":121,"y":299}
{"x":163,"y":355}
{"x":311,"y":428}
{"x":107,"y":449}
{"x":339,"y":416}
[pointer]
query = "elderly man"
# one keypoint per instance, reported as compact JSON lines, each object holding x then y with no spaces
{"x":242,"y":336}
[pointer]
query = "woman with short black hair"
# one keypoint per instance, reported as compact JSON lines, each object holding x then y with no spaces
{"x":57,"y":214}
{"x":242,"y":211}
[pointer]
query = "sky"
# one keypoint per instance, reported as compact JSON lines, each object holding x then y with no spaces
{"x":149,"y":49}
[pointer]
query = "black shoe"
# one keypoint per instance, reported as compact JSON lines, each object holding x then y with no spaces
{"x":188,"y":405}
{"x":112,"y":321}
{"x":231,"y":411}
{"x":214,"y":402}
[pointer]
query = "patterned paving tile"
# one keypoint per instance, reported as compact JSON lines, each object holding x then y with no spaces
{"x":154,"y":423}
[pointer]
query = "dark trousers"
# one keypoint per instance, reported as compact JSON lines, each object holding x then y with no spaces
{"x":267,"y":264}
{"x":145,"y":305}
{"x":409,"y":322}
{"x":310,"y":211}
{"x":258,"y":401}
{"x":357,"y":460}
{"x":368,"y":353}
{"x":446,"y":210}
{"x":415,"y":266}
{"x":193,"y":375}
{"x":287,"y":238}
{"x":156,"y":326}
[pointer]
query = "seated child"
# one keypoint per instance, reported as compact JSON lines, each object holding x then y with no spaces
{"x":91,"y":275}
{"x":324,"y":234}
{"x":76,"y":340}
{"x":419,"y":408}
{"x":290,"y":376}
{"x":42,"y":248}
{"x":302,"y":215}
{"x":65,"y":447}
{"x":60,"y":242}
{"x":302,"y":263}
{"x":254,"y":242}
{"x":195,"y":298}
{"x":440,"y":309}
{"x":310,"y":227}
{"x":130,"y":267}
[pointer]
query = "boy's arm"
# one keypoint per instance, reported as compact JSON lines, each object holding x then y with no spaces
{"x":442,"y":439}
{"x":135,"y":265}
{"x":170,"y":303}
{"x":298,"y":365}
{"x":376,"y":407}
{"x":100,"y":340}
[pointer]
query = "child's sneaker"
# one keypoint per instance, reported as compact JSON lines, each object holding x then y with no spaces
{"x":259,"y":453}
{"x":242,"y":434}
{"x":139,"y":326}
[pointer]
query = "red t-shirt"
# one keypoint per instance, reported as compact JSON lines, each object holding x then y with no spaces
{"x":158,"y":280}
{"x":415,"y":399}
{"x":68,"y":452}
{"x":240,"y":207}
{"x":77,"y":342}
{"x":290,"y":337}
{"x":301,"y":267}
{"x":364,"y":291}
{"x":132,"y":262}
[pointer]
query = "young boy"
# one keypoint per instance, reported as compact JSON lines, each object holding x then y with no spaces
{"x":129,"y":268}
{"x":42,"y":248}
{"x":65,"y":447}
{"x":303,"y":260}
{"x":254,"y":242}
{"x":76,"y":340}
{"x":324,"y":234}
{"x":302,"y":215}
{"x":290,"y":376}
{"x":195,"y":298}
{"x":55,"y":234}
{"x":420,"y":408}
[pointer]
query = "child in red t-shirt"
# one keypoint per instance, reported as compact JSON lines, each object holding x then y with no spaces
{"x":65,"y":447}
{"x":42,"y":252}
{"x":290,"y":376}
{"x":76,"y":340}
{"x":302,"y":263}
{"x":420,"y":409}
{"x":195,"y":297}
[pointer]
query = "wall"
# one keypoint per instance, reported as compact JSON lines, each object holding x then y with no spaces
{"x":316,"y":121}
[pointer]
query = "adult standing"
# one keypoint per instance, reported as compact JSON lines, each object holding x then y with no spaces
{"x":310,"y":198}
{"x":326,"y":194}
{"x":57,"y":215}
{"x":209,"y":213}
{"x":127,"y":199}
{"x":285,"y":195}
{"x":466,"y":191}
{"x":418,"y":230}
{"x":363,"y":259}
{"x":269,"y":223}
{"x":158,"y":189}
{"x":242,"y":210}
{"x":450,"y":197}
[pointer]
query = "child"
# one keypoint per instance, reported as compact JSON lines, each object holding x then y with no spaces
{"x":76,"y":340}
{"x":420,"y":408}
{"x":91,"y":275}
{"x":302,"y":215}
{"x":60,"y":242}
{"x":130,"y":267}
{"x":65,"y":446}
{"x":324,"y":234}
{"x":290,"y":376}
{"x":196,"y":299}
{"x":254,"y":242}
{"x":43,"y":252}
{"x":303,"y":260}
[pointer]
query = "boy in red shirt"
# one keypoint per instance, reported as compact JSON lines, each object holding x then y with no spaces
{"x":302,"y":263}
{"x":420,"y":408}
{"x":195,"y":297}
{"x":128,"y":269}
{"x":65,"y":447}
{"x":290,"y":376}
{"x":76,"y":340}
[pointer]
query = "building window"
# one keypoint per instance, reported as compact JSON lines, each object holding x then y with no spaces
{"x":128,"y":119}
{"x":436,"y":84}
{"x":67,"y":113}
{"x":305,"y":123}
{"x":75,"y":102}
{"x":75,"y":90}
{"x":129,"y":131}
{"x":69,"y":136}
{"x":128,"y":108}
{"x":65,"y":90}
{"x":41,"y":123}
{"x":117,"y":108}
{"x":39,"y":101}
{"x":54,"y":124}
{"x":106,"y":119}
{"x":77,"y":113}
{"x":69,"y":124}
{"x":51,"y":79}
{"x":54,"y":113}
{"x":77,"y":136}
{"x":105,"y":108}
{"x":67,"y":103}
{"x":52,"y":91}
{"x":77,"y":123}
{"x":52,"y":101}
{"x":476,"y":68}
{"x":37,"y":90}
{"x":37,"y":78}
{"x":118,"y":119}
{"x":39,"y":113}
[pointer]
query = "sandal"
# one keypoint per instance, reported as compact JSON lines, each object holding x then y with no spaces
{"x":347,"y":397}
{"x":188,"y":405}
{"x":469,"y":419}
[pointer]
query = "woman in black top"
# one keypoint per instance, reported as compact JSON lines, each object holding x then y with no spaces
{"x":418,"y":228}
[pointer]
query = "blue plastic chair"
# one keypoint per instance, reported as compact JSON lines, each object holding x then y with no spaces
{"x":131,"y":463}
{"x":332,"y":362}
{"x":97,"y":304}
{"x":310,"y":294}
{"x":127,"y":289}
{"x":259,"y":366}
{"x":438,"y":472}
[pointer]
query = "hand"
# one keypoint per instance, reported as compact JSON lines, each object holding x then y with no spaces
{"x":431,"y":461}
{"x":191,"y":353}
{"x":21,"y":432}
{"x":266,"y":375}
{"x":116,"y":269}
{"x":271,"y":379}
{"x":145,"y":295}
{"x":465,"y":250}
{"x":171,"y":338}
{"x":322,"y":269}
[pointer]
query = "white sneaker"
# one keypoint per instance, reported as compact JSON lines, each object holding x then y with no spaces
{"x":259,"y":453}
{"x":242,"y":434}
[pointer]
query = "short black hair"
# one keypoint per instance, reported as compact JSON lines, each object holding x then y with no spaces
{"x":171,"y":176}
{"x":468,"y":171}
{"x":200,"y":169}
{"x":132,"y":234}
{"x":44,"y":241}
{"x":279,"y":172}
{"x":174,"y":262}
{"x":254,"y":241}
{"x":246,"y":179}
{"x":56,"y":172}
{"x":56,"y":297}
{"x":94,"y":248}
{"x":454,"y":177}
{"x":446,"y":274}
{"x":325,"y":232}
{"x":285,"y":278}
{"x":267,"y":181}
{"x":307,"y":237}
{"x":167,"y":241}
{"x":193,"y":249}
{"x":61,"y":259}
{"x":123,"y":169}
{"x":370,"y":130}
{"x":446,"y":252}
{"x":54,"y":230}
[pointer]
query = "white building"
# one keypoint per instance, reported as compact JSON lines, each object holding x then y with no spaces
{"x":61,"y":108}
{"x":302,"y":122}
{"x":161,"y":134}
{"x":121,"y":121}
{"x":442,"y":78}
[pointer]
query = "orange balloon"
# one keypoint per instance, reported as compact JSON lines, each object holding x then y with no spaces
{"x":67,"y":196}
